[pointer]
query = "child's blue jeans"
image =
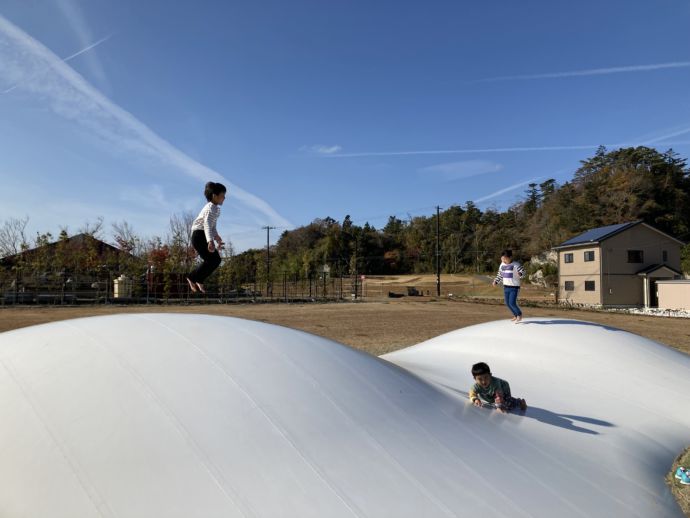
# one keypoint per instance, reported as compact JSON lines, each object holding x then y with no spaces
{"x":510,"y":293}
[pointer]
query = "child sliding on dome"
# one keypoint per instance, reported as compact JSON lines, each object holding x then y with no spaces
{"x":493,"y":391}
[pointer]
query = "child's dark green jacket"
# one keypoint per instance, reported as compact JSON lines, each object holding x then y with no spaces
{"x":488,"y":394}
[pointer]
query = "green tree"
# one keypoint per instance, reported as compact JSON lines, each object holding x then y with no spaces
{"x":532,"y":202}
{"x":685,"y":259}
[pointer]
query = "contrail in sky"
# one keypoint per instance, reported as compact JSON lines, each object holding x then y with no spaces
{"x":590,"y":72}
{"x":506,"y":149}
{"x":72,"y":97}
{"x":507,"y":189}
{"x":670,"y":135}
{"x":65,"y":60}
{"x":102,"y":40}
{"x":74,"y":16}
{"x":459,"y":151}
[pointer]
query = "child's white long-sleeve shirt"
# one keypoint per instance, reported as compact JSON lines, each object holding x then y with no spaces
{"x":206,"y":221}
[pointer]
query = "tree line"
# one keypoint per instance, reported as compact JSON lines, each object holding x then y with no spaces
{"x":622,"y":185}
{"x":610,"y":187}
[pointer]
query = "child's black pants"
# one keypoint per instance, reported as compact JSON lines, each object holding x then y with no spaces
{"x":211,"y":260}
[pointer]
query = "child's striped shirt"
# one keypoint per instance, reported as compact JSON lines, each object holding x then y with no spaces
{"x":510,"y":274}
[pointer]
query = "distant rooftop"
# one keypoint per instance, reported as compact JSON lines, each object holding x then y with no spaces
{"x":597,"y":234}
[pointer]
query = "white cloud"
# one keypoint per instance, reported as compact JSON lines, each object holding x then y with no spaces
{"x":23,"y":59}
{"x":320,"y":149}
{"x":459,"y":170}
{"x":146,"y":196}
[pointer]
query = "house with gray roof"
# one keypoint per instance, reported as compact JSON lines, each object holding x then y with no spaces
{"x":617,"y":265}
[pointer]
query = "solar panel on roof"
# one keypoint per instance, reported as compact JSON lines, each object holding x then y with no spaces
{"x":596,"y":234}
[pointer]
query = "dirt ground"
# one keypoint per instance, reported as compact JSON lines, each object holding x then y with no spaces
{"x":376,"y":327}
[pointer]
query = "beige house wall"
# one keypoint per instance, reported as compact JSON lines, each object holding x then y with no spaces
{"x":639,"y":237}
{"x":579,"y":295}
{"x":622,"y":290}
{"x":616,"y":280}
{"x":579,"y":266}
{"x":579,"y":271}
{"x":674,"y":295}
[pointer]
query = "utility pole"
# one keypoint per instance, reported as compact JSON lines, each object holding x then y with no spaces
{"x":355,"y":265}
{"x":438,"y":252}
{"x":476,"y":251}
{"x":269,"y":291}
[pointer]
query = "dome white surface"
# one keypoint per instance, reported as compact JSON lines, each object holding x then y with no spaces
{"x":608,"y":411}
{"x":162,"y":415}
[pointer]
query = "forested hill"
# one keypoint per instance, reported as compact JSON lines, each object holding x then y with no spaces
{"x":611,"y":187}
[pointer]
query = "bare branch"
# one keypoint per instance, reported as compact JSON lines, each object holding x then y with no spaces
{"x":93,"y":229}
{"x":181,"y":229}
{"x":228,"y":249}
{"x":126,"y":238}
{"x":13,"y":236}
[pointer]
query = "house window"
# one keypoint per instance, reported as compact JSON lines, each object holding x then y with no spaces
{"x":589,"y":255}
{"x":589,"y":286}
{"x":568,"y":258}
{"x":664,"y":256}
{"x":635,"y":256}
{"x":569,"y":285}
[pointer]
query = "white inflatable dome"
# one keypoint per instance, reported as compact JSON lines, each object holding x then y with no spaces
{"x":161,"y":415}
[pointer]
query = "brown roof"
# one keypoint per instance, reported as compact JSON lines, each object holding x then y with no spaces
{"x":74,"y":242}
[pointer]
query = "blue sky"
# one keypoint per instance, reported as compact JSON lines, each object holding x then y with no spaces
{"x":306,"y":109}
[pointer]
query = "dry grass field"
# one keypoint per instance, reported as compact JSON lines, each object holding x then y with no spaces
{"x":376,"y":327}
{"x":452,"y":285}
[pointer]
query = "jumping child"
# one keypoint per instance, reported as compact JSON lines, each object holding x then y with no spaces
{"x":204,"y":234}
{"x":509,"y":273}
{"x":491,"y":390}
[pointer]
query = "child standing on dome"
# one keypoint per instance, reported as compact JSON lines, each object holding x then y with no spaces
{"x":509,"y":273}
{"x":204,"y":234}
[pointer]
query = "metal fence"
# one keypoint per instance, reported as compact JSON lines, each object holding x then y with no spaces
{"x":105,"y":287}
